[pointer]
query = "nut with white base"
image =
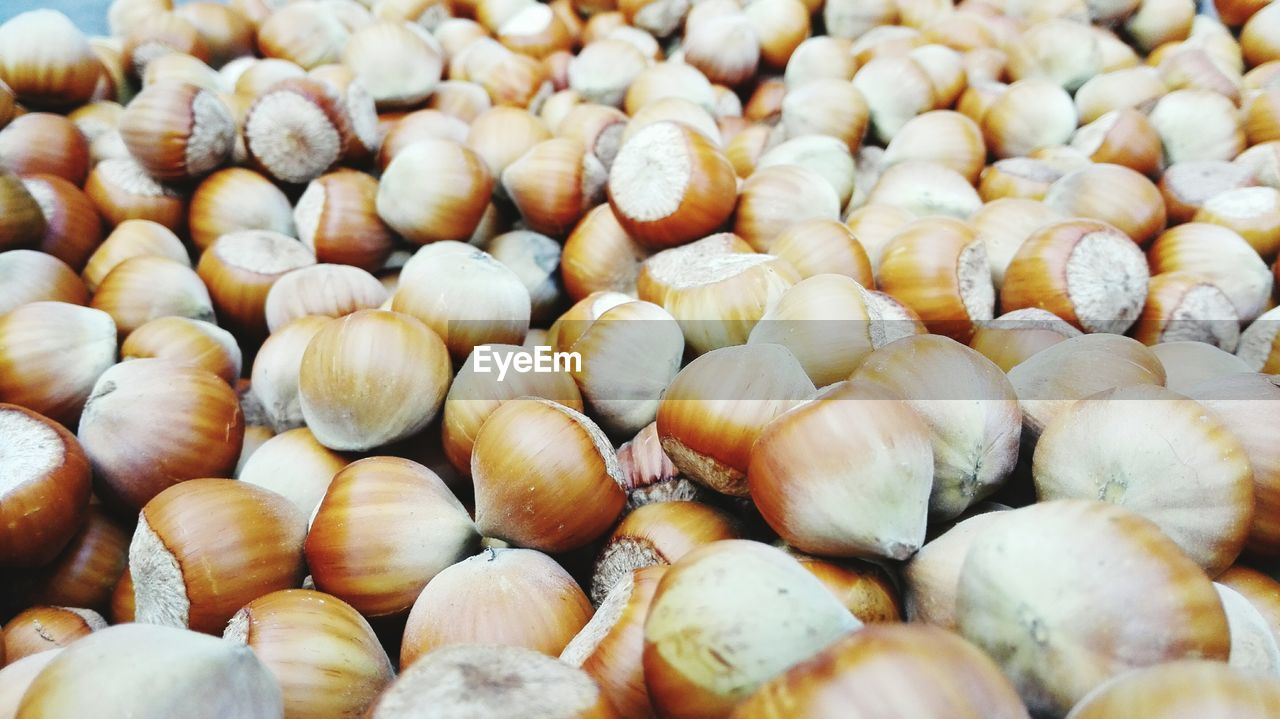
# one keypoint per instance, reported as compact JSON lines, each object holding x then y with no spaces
{"x":657,"y":535}
{"x":1184,"y":306}
{"x":718,"y":404}
{"x":1084,"y":271}
{"x":938,"y":267}
{"x":669,"y":185}
{"x":44,"y":487}
{"x":178,"y":131}
{"x":322,"y":652}
{"x":1220,"y":256}
{"x":204,"y":548}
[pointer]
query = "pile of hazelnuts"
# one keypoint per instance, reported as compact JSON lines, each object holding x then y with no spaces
{"x":640,"y":359}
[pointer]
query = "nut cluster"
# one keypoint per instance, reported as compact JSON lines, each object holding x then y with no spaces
{"x":641,"y":359}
